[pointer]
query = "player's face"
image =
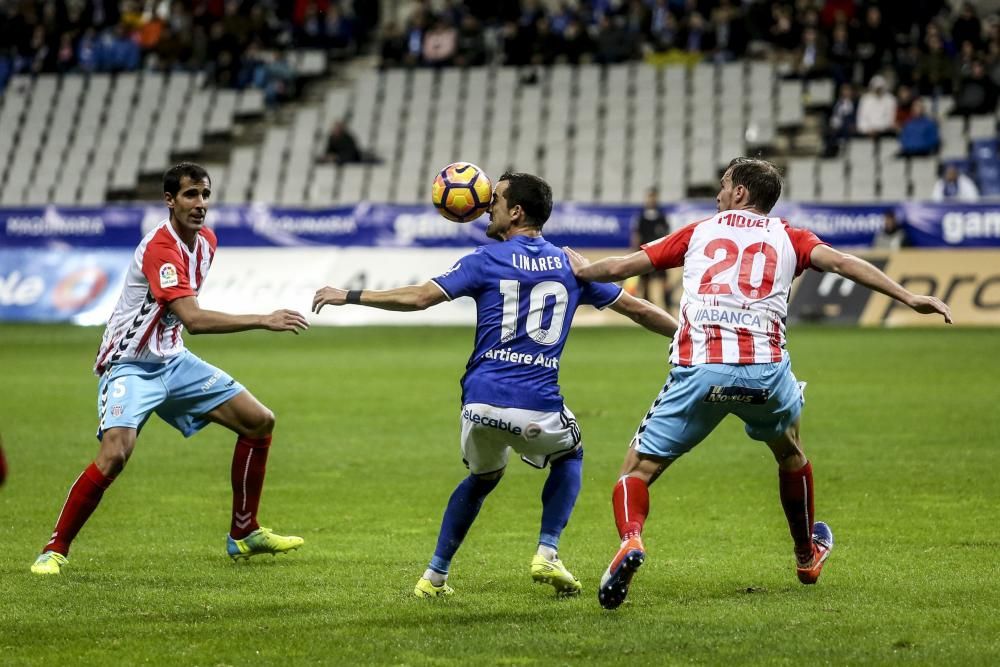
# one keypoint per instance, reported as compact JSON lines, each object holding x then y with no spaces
{"x":500,"y":219}
{"x":189,"y":206}
{"x":724,"y":200}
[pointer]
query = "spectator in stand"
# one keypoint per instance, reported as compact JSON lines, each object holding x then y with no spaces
{"x":278,"y":80}
{"x":393,"y":49}
{"x":697,"y":38}
{"x":341,"y":147}
{"x":904,"y":106}
{"x":967,"y":26}
{"x":471,"y":45}
{"x":934,"y":68}
{"x":843,"y":121}
{"x":966,"y":57}
{"x":955,"y":186}
{"x":729,"y":32}
{"x":841,"y":55}
{"x":919,"y":135}
{"x":837,"y":10}
{"x":784,"y":34}
{"x":877,"y":110}
{"x":665,"y":31}
{"x":873,"y":42}
{"x":613,"y":43}
{"x":636,"y":19}
{"x":892,"y":236}
{"x":976,"y":94}
{"x":440,"y":43}
{"x":548,"y":44}
{"x":415,"y":37}
{"x":576,"y":42}
{"x":811,"y":60}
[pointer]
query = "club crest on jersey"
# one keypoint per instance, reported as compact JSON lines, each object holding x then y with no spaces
{"x":168,"y":275}
{"x":117,"y":410}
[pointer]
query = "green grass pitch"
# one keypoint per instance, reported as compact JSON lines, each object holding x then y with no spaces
{"x":902,"y":426}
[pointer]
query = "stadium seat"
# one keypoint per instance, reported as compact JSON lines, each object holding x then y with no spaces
{"x":988,"y":177}
{"x":923,"y":175}
{"x":250,"y":103}
{"x":831,"y":181}
{"x":790,"y":104}
{"x":893,"y":183}
{"x":982,"y":127}
{"x":800,"y":179}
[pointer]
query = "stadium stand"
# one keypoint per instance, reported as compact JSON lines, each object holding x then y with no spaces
{"x":670,"y":112}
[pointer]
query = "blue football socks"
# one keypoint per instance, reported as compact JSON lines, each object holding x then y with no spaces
{"x":463,"y":507}
{"x":559,"y":496}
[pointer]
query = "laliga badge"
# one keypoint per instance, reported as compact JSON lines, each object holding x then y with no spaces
{"x":168,"y":276}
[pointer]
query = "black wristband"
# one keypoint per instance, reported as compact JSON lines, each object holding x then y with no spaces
{"x":353,"y":296}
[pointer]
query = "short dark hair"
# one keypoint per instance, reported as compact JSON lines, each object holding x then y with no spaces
{"x":761,"y":179}
{"x":172,"y":177}
{"x":531,"y":193}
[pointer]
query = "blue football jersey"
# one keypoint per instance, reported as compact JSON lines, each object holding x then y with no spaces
{"x":526,"y":295}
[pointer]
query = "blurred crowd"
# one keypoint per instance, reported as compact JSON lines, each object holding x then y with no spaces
{"x":887,"y":59}
{"x":926,"y":43}
{"x":239,"y":43}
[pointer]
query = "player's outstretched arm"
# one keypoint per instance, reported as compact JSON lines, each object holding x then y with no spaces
{"x":646,"y":314}
{"x":847,"y":265}
{"x":411,"y":297}
{"x":197,"y":320}
{"x":609,"y":269}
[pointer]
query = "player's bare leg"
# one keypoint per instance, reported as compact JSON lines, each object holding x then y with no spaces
{"x":630,"y":501}
{"x":253,"y":424}
{"x":813,"y":541}
{"x":84,"y":496}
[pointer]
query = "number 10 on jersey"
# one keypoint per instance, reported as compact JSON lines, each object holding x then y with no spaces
{"x":543,"y":296}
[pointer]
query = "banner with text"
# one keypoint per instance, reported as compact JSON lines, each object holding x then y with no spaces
{"x":82,"y":286}
{"x":396,"y":226}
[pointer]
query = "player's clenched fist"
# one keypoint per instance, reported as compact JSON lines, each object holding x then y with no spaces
{"x":286,"y":320}
{"x":329,"y":296}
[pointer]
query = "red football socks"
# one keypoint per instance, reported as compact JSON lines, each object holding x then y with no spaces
{"x":796,"y":491}
{"x":83,"y":498}
{"x":631,"y":503}
{"x":249,"y":463}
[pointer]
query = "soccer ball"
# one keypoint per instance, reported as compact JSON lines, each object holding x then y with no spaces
{"x":461,"y":192}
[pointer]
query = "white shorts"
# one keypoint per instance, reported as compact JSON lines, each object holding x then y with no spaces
{"x":489,"y":433}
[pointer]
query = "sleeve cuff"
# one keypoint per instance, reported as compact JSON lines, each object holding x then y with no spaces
{"x":614,"y":300}
{"x":443,"y":290}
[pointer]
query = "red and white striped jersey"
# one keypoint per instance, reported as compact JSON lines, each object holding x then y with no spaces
{"x":163,"y":269}
{"x":738,"y":271}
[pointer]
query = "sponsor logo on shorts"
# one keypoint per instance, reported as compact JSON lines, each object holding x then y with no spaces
{"x":117,"y":410}
{"x":168,"y":275}
{"x":720,"y":394}
{"x":491,"y":422}
{"x":210,"y":382}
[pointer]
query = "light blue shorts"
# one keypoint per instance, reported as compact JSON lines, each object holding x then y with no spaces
{"x":767,"y":397}
{"x":181,"y":391}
